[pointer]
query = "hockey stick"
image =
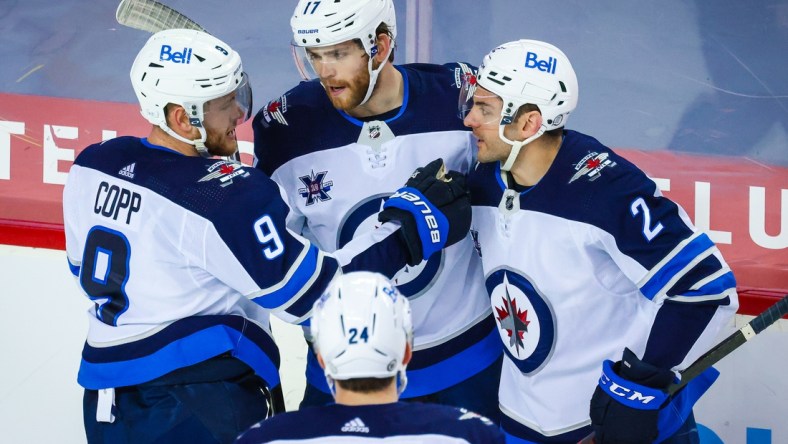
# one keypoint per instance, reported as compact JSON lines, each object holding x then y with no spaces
{"x":152,"y":16}
{"x":724,"y":348}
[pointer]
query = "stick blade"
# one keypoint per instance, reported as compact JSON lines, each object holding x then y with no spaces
{"x":152,"y":16}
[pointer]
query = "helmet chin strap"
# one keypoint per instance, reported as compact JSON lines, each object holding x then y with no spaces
{"x":516,"y":146}
{"x":401,"y":380}
{"x":373,"y":73}
{"x":199,"y":144}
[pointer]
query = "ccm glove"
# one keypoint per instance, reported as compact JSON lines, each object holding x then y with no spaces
{"x":626,"y":403}
{"x":433,"y":210}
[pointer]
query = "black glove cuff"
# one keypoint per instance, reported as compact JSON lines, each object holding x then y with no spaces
{"x":407,"y":233}
{"x":643,"y":373}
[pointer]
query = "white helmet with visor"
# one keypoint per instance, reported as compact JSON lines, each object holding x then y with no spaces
{"x":188,"y":68}
{"x":317,"y":24}
{"x":524,"y":72}
{"x":361,"y":326}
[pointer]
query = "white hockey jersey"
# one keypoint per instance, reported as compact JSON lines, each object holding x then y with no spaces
{"x":185,"y":258}
{"x":337,"y":171}
{"x":588,"y":261}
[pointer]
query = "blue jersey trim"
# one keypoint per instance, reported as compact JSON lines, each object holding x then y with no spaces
{"x":145,"y":142}
{"x":725,"y":282}
{"x":517,"y":433}
{"x":74,"y":269}
{"x":183,"y":343}
{"x":437,"y":377}
{"x":296,"y":282}
{"x":675,"y":265}
{"x":402,"y":108}
{"x":195,"y":348}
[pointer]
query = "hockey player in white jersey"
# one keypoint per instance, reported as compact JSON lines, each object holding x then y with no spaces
{"x":363,"y":335}
{"x":185,"y":255}
{"x":341,"y":143}
{"x":586,"y":263}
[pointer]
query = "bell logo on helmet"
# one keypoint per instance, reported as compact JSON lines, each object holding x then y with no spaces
{"x":167,"y":55}
{"x":548,"y":66}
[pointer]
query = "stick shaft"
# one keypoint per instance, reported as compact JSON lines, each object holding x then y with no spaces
{"x":732,"y":342}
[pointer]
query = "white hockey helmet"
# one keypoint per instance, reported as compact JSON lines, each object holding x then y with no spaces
{"x":325,"y":23}
{"x":187,"y":68}
{"x":360,"y":327}
{"x":521,"y":72}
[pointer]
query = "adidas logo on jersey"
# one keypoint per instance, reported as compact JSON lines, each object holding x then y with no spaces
{"x":355,"y":425}
{"x":128,"y":170}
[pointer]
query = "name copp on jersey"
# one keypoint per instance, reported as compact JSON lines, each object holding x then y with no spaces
{"x":184,"y":258}
{"x":577,"y":268}
{"x":337,"y":171}
{"x":391,"y":423}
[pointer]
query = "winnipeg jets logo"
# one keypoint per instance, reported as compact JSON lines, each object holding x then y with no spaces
{"x":525,"y":319}
{"x":225,"y":172}
{"x":591,"y":166}
{"x":513,"y":320}
{"x":316,"y":187}
{"x":275,"y":110}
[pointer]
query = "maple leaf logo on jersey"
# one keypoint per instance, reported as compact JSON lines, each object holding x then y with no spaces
{"x":275,"y":110}
{"x":316,"y":187}
{"x":225,"y":171}
{"x":591,"y":166}
{"x":513,"y":321}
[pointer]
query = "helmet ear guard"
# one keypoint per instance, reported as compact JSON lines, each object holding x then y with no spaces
{"x":361,"y":326}
{"x":187,"y":68}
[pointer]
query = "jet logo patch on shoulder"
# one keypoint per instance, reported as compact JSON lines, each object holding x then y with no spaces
{"x":275,"y":110}
{"x":225,"y":171}
{"x":591,"y":166}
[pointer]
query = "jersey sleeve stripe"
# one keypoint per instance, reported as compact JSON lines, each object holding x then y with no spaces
{"x":670,"y":269}
{"x":718,"y":288}
{"x":291,"y":287}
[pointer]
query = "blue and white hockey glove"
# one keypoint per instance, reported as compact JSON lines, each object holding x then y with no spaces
{"x":433,"y":210}
{"x":626,"y":404}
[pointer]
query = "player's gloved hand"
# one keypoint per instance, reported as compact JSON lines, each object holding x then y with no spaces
{"x":625,"y":406}
{"x":433,"y":210}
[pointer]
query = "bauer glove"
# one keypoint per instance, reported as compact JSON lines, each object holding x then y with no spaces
{"x":433,"y":210}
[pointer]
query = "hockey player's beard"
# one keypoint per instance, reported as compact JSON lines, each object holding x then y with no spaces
{"x":354,"y":93}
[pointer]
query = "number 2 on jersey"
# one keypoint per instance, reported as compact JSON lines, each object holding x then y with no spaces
{"x":649,"y":232}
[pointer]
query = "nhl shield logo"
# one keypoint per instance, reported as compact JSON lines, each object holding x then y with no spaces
{"x":374,"y":131}
{"x":525,"y":320}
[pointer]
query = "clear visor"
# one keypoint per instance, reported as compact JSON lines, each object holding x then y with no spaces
{"x":317,"y":62}
{"x":240,"y":107}
{"x":477,"y":105}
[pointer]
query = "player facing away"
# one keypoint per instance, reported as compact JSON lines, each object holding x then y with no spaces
{"x":341,"y":143}
{"x":186,"y":256}
{"x":363,"y":336}
{"x":585,"y":262}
